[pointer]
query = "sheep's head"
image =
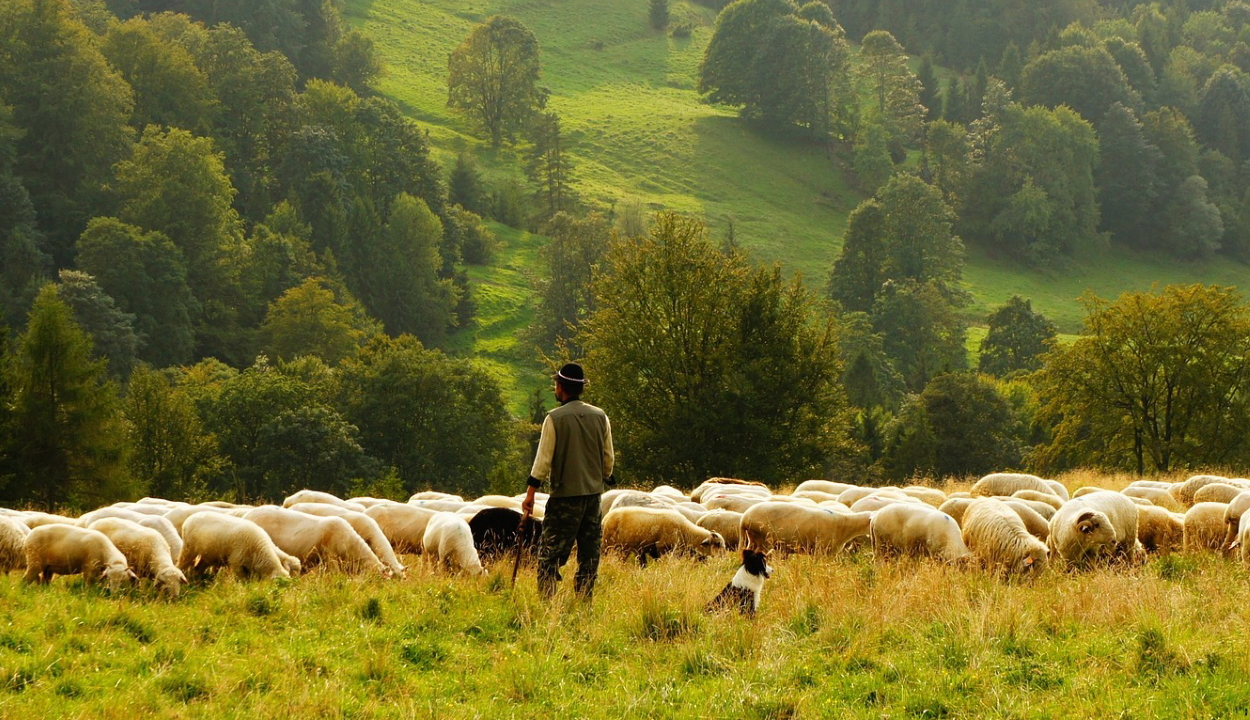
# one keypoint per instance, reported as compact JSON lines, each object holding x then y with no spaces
{"x":1034,"y":561}
{"x":171,"y":580}
{"x":116,"y":574}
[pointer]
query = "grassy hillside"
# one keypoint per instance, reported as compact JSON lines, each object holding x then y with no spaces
{"x":638,"y":132}
{"x":846,"y":636}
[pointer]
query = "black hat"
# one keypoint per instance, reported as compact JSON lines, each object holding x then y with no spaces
{"x":571,"y":373}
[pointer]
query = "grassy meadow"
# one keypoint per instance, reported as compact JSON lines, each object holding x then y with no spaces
{"x":638,"y":133}
{"x":843,"y":636}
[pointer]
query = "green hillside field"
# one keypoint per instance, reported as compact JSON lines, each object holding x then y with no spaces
{"x":639,"y":132}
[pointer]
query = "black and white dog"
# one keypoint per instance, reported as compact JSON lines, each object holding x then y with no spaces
{"x":743,"y":591}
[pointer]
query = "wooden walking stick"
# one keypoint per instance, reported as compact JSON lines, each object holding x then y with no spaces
{"x":520,"y":536}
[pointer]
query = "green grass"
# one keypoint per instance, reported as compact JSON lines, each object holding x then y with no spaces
{"x":638,"y":131}
{"x":836,"y":637}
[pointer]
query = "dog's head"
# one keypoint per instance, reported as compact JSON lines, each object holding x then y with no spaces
{"x":756,"y":563}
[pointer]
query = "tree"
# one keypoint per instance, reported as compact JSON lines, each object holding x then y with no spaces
{"x":170,"y":452}
{"x":657,"y":13}
{"x":947,"y":158}
{"x":701,"y":388}
{"x":314,"y":319}
{"x":465,"y":187}
{"x":356,"y":63}
{"x":910,"y":448}
{"x":893,"y":87}
{"x":1157,"y":382}
{"x":145,"y":274}
{"x":72,"y":109}
{"x":439,"y":422}
{"x":973,"y":428}
{"x":1016,"y":339}
{"x":576,"y":248}
{"x":548,"y":165}
{"x":169,"y":89}
{"x":1086,"y":79}
{"x":873,"y":164}
{"x":493,"y":77}
{"x":402,"y":288}
{"x":1194,"y":226}
{"x":930,"y":89}
{"x":921,"y":331}
{"x":858,"y":273}
{"x":66,"y":442}
{"x":1126,"y":177}
{"x":111,"y":330}
{"x":24,"y":266}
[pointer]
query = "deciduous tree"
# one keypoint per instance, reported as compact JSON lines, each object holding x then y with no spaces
{"x":493,"y":77}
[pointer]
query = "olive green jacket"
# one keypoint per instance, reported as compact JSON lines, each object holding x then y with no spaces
{"x":574,"y":451}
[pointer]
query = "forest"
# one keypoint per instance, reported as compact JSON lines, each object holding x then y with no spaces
{"x":231,"y":266}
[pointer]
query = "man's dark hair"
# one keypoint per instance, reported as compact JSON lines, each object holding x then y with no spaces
{"x":572,"y":389}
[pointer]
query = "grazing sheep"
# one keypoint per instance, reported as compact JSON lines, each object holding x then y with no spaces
{"x":1158,"y":530}
{"x":877,"y":501}
{"x":928,"y":495}
{"x":439,"y":505}
{"x":1060,"y":489}
{"x":211,"y":540}
{"x":449,"y":540}
{"x":1204,"y":527}
{"x":606,"y":499}
{"x":852,"y":495}
{"x":1232,"y":518}
{"x":917,"y":530}
{"x":1243,"y":541}
{"x":824,"y":486}
{"x":1038,"y":526}
{"x":368,"y":502}
{"x":671,"y":493}
{"x":178,"y":516}
{"x":1156,"y":496}
{"x":959,"y":494}
{"x":435,"y":495}
{"x":998,"y":538}
{"x":502,"y":501}
{"x":651,"y":532}
{"x":366,"y":527}
{"x":315,"y":539}
{"x":1216,"y":492}
{"x":145,"y":550}
{"x":35,"y":519}
{"x":12,"y":544}
{"x":1102,"y":524}
{"x":1008,"y":483}
{"x":816,"y":495}
{"x":737,"y":503}
{"x":316,"y":496}
{"x":497,"y":531}
{"x":403,"y":525}
{"x":1139,"y":501}
{"x":1157,"y":484}
{"x":726,"y":523}
{"x":1086,"y":490}
{"x":1035,"y":496}
{"x":1046,"y":510}
{"x":796,"y":528}
{"x":1184,"y":491}
{"x":637,"y":498}
{"x":727,"y":486}
{"x":60,"y":549}
{"x":956,"y":507}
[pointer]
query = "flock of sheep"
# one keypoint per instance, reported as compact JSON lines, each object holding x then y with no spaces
{"x":1008,"y":522}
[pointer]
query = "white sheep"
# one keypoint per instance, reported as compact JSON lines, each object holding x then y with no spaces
{"x":998,"y":538}
{"x":1243,"y":540}
{"x":735,"y":502}
{"x":852,"y":495}
{"x":316,"y":496}
{"x":1037,"y":525}
{"x":1184,"y":491}
{"x":1204,"y":526}
{"x":1159,"y":530}
{"x":1046,"y":510}
{"x":1059,"y":488}
{"x":1157,"y":496}
{"x":213,"y":540}
{"x":449,"y":540}
{"x":1086,"y":490}
{"x":1232,"y":518}
{"x":35,"y":519}
{"x":876,"y":501}
{"x":824,"y":486}
{"x":671,"y":493}
{"x":316,"y":540}
{"x":928,"y":495}
{"x":654,"y":532}
{"x":1217,"y":492}
{"x":12,"y":544}
{"x":434,"y":495}
{"x":815,"y":495}
{"x":502,"y":501}
{"x":1098,"y":525}
{"x":366,"y":527}
{"x":797,"y":528}
{"x":145,"y":550}
{"x":60,"y":549}
{"x":177,"y":516}
{"x":1008,"y":483}
{"x":403,"y":525}
{"x":917,"y":530}
{"x":726,"y":523}
{"x":956,"y":507}
{"x":368,"y":502}
{"x":727,"y":486}
{"x":1034,"y":496}
{"x":439,"y":505}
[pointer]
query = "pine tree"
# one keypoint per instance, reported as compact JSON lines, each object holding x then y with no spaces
{"x":659,"y":14}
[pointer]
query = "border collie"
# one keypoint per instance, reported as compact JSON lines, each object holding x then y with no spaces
{"x":743,"y":591}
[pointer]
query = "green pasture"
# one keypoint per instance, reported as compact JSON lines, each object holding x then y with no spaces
{"x":639,"y":133}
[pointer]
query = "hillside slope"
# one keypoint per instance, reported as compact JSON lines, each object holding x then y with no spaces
{"x":637,"y":130}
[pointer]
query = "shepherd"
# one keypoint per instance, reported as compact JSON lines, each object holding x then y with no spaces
{"x":575,"y":455}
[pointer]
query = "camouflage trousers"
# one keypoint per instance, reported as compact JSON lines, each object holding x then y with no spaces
{"x":568,"y":521}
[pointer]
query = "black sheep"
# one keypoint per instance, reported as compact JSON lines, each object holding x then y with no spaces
{"x":495,"y":532}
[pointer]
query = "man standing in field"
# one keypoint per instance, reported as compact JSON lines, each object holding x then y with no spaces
{"x":575,"y":454}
